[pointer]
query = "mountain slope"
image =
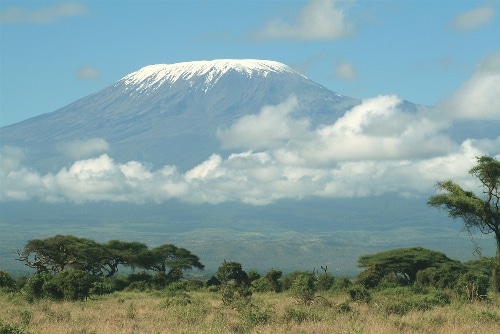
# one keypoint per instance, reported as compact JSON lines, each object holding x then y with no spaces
{"x":169,"y":114}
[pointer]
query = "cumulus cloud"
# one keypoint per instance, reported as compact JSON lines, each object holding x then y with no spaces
{"x":478,"y":97}
{"x":48,"y":14}
{"x":375,"y":148}
{"x":473,"y":19}
{"x":84,"y":148}
{"x":344,"y":71}
{"x":271,"y":127}
{"x":318,"y":20}
{"x":88,"y":73}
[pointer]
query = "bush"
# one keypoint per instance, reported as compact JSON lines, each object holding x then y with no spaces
{"x":440,"y":278}
{"x":303,"y":289}
{"x":254,"y":316}
{"x":472,"y":286}
{"x":341,"y":284}
{"x":360,"y":294}
{"x":287,"y":280}
{"x":6,"y":281}
{"x":103,"y":286}
{"x":370,"y":277}
{"x":260,"y":285}
{"x":324,"y":282}
{"x":34,"y":288}
{"x":272,"y":277}
{"x":9,"y":329}
{"x":293,"y":315}
{"x":138,"y":286}
{"x":73,"y":285}
{"x":253,"y":275}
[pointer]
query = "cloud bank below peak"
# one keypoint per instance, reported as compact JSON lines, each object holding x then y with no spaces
{"x":375,"y":148}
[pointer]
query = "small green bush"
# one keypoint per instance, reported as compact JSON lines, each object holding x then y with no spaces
{"x":6,"y":281}
{"x":359,"y":293}
{"x":260,"y":285}
{"x":303,"y":289}
{"x":341,"y":284}
{"x":9,"y":329}
{"x":178,"y":300}
{"x":472,"y":286}
{"x":293,"y":315}
{"x":343,"y":308}
{"x":254,"y":316}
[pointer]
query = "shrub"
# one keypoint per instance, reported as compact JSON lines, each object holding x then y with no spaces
{"x":254,"y":316}
{"x":341,"y":284}
{"x":9,"y":329}
{"x":159,"y":280}
{"x":287,"y":280}
{"x":370,"y":277}
{"x":138,"y":286}
{"x":360,"y":294}
{"x":344,"y":308}
{"x":440,"y":278}
{"x":260,"y":285}
{"x":294,"y":315}
{"x":178,"y":300}
{"x":272,"y":277}
{"x":324,"y":282}
{"x":6,"y":281}
{"x":303,"y":289}
{"x":472,"y":286}
{"x":103,"y":286}
{"x":253,"y":275}
{"x":72,"y":285}
{"x":34,"y":288}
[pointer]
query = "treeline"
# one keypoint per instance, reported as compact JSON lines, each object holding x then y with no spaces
{"x":72,"y":268}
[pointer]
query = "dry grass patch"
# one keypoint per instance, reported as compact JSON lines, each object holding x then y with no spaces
{"x":203,"y":312}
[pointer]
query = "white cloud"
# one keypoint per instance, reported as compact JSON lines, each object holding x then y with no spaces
{"x":473,"y":19}
{"x":375,"y":148}
{"x":48,"y":14}
{"x":88,"y":73}
{"x":479,"y":97}
{"x":84,"y":148}
{"x":318,"y":20}
{"x":271,"y":127}
{"x":345,"y":71}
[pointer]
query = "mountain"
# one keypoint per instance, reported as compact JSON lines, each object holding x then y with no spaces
{"x":169,"y":114}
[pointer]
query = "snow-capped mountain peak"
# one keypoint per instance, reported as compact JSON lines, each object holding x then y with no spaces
{"x":153,"y":76}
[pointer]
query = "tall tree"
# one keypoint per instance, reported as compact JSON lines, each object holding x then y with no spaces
{"x":477,"y":212}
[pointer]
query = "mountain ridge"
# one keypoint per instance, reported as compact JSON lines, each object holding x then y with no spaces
{"x":158,"y":125}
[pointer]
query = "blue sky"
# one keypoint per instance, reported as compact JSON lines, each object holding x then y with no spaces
{"x":55,"y":52}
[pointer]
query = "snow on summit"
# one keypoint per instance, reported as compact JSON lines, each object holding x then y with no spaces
{"x":153,"y":76}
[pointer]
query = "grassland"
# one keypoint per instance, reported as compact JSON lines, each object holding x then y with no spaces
{"x":395,"y":310}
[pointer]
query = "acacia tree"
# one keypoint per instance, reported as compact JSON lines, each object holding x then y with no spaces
{"x":55,"y":254}
{"x":175,"y":259}
{"x":402,"y":264}
{"x":477,"y":212}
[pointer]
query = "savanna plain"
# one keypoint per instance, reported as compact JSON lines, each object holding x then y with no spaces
{"x":182,"y":308}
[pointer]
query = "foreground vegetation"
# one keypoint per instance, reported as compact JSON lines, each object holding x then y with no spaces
{"x":201,"y":310}
{"x":409,"y":290}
